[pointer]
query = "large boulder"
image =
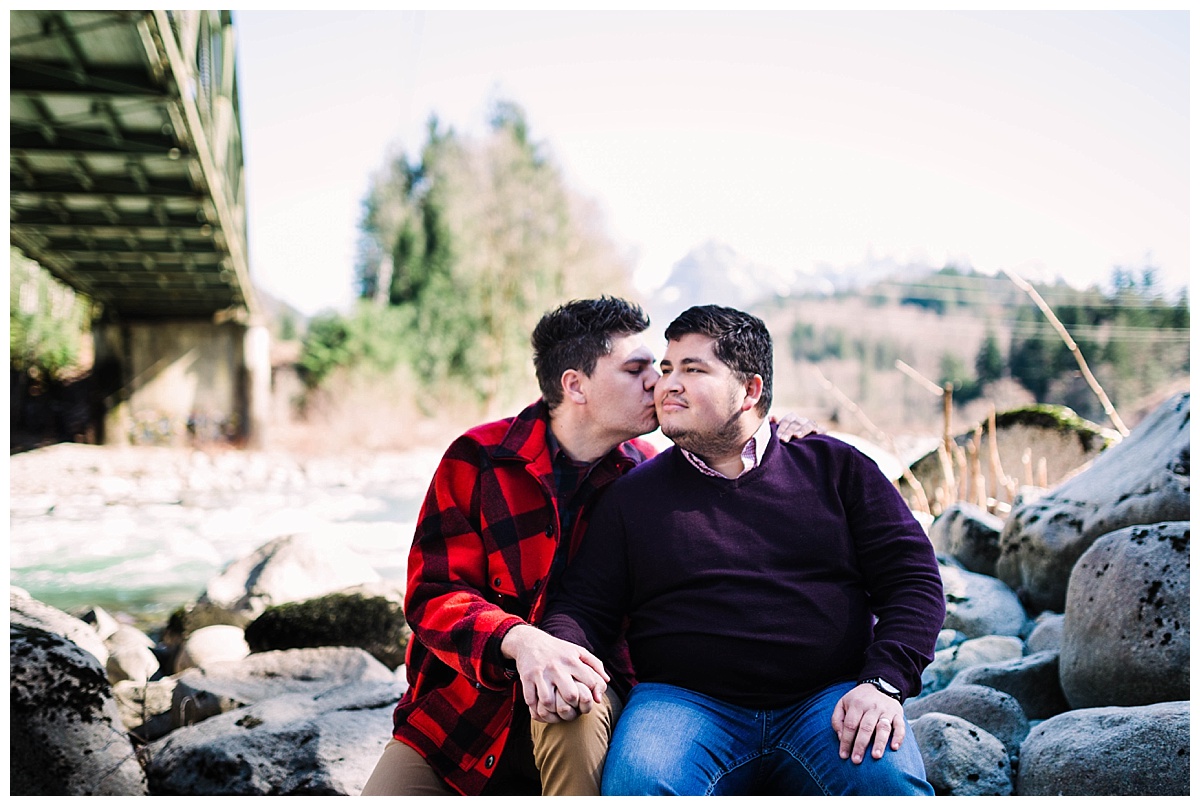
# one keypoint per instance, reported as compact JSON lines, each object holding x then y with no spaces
{"x":1144,"y":479}
{"x":1031,"y":679}
{"x":374,"y":623}
{"x":979,"y":605}
{"x":26,"y":611}
{"x":1127,"y":626}
{"x":1140,"y":750}
{"x":961,"y":758}
{"x":292,"y":568}
{"x":201,"y":693}
{"x":995,"y":711}
{"x":969,"y":534}
{"x":294,"y":744}
{"x":65,"y":732}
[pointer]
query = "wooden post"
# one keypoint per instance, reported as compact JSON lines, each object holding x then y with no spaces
{"x":1000,"y":480}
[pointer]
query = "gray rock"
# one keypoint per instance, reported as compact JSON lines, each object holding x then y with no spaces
{"x":145,"y":708}
{"x":995,"y":711}
{"x":213,"y":644}
{"x":289,"y":569}
{"x":970,"y":534}
{"x":224,"y":686}
{"x":1047,"y":634}
{"x":1127,"y":626}
{"x":186,"y":620}
{"x":1140,"y":750}
{"x":65,"y":733}
{"x":948,"y":663}
{"x":961,"y":758}
{"x":1032,"y":679}
{"x":979,"y":605}
{"x":130,"y":655}
{"x":101,"y":621}
{"x":1144,"y":479}
{"x":26,"y":611}
{"x":295,"y":744}
{"x":948,"y":638}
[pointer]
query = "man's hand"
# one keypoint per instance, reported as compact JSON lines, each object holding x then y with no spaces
{"x":792,"y":425}
{"x":865,"y":710}
{"x":560,"y":680}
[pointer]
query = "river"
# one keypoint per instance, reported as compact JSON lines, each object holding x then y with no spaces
{"x":140,"y":531}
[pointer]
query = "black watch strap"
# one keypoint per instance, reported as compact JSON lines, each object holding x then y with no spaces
{"x":885,"y":687}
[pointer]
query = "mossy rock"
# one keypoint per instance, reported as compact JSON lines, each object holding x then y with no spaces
{"x":373,"y":623}
{"x":1055,"y":434}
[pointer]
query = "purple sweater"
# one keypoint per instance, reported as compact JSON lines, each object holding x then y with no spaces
{"x":758,"y":590}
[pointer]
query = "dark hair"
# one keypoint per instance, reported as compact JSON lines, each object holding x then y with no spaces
{"x":743,"y":342}
{"x":577,"y":334}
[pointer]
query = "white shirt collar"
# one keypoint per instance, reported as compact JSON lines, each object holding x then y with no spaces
{"x":752,"y":452}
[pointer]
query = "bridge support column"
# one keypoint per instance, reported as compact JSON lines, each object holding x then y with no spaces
{"x":182,"y":382}
{"x":257,"y":355}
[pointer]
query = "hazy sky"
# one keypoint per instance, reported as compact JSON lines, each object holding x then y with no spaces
{"x":1050,"y":143}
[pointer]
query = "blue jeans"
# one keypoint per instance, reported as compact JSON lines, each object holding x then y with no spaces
{"x":671,"y":741}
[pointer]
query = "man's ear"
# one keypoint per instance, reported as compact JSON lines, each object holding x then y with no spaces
{"x":754,"y":388}
{"x":572,"y":386}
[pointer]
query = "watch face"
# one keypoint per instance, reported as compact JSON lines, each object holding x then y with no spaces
{"x":888,"y":687}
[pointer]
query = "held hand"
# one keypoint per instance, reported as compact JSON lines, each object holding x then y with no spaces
{"x":559,"y":680}
{"x":792,"y":425}
{"x":863,"y":712}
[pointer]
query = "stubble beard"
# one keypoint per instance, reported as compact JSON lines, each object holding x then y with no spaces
{"x":726,"y":439}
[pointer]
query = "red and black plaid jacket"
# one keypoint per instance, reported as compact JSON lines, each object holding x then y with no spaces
{"x":485,"y":541}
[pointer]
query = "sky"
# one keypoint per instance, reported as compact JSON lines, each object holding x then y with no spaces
{"x":1051,"y":144}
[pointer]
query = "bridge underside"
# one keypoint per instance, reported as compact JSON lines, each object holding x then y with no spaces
{"x":115,"y":185}
{"x":125,"y":182}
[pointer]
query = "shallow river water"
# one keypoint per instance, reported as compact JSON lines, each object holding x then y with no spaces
{"x":142,"y":530}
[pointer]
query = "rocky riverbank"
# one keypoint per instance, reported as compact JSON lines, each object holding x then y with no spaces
{"x":1063,"y":666}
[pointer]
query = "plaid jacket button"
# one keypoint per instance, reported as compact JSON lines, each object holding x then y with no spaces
{"x":491,"y":761}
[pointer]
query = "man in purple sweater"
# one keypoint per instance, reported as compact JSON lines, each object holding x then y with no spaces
{"x":781,"y":599}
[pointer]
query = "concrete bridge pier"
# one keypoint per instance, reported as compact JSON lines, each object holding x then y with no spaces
{"x":192,"y":382}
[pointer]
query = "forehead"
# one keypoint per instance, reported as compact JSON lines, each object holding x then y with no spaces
{"x":691,"y":347}
{"x":630,"y":347}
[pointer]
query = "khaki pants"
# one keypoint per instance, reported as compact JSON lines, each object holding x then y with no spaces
{"x":568,"y":757}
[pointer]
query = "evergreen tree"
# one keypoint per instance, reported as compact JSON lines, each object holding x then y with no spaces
{"x":989,"y":362}
{"x":471,"y":245}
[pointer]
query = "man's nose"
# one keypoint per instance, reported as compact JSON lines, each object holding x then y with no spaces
{"x":652,"y":380}
{"x":667,"y":382}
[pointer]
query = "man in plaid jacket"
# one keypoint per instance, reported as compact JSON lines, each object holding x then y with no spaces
{"x":504,"y":514}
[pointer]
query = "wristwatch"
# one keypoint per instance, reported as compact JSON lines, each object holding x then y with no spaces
{"x":884,"y":686}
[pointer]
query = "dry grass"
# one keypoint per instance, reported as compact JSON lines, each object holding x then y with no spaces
{"x":359,"y":415}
